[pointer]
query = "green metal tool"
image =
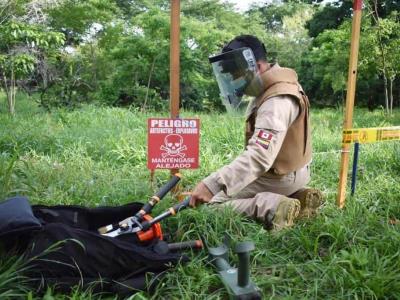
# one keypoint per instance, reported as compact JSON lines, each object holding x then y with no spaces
{"x":236,"y":280}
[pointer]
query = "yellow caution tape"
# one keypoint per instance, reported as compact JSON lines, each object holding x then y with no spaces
{"x":371,"y":135}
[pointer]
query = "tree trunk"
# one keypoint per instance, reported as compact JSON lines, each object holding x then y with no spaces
{"x":375,"y":15}
{"x":13,"y":92}
{"x":385,"y":84}
{"x":148,"y":85}
{"x":5,"y":85}
{"x":9,"y":88}
{"x":391,"y":94}
{"x":398,"y":93}
{"x":94,"y":65}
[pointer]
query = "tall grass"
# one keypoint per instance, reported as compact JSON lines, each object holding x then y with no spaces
{"x":97,"y":156}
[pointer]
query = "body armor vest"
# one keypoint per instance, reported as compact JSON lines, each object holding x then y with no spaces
{"x":296,"y":148}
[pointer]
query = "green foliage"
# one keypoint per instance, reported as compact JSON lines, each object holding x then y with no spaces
{"x":274,"y":12}
{"x":75,"y":18}
{"x":69,"y":88}
{"x":332,"y":15}
{"x":13,"y":284}
{"x":22,"y":47}
{"x":387,"y":37}
{"x":325,"y":67}
{"x":137,"y":51}
{"x":97,"y":156}
{"x":118,"y":51}
{"x":14,"y":36}
{"x":287,"y":41}
{"x":15,"y":33}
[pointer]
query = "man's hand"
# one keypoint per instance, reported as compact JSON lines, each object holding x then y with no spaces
{"x":201,"y":194}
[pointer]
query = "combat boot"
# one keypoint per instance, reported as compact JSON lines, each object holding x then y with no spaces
{"x":310,"y":201}
{"x":287,"y":210}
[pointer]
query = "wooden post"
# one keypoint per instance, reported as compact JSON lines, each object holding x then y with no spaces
{"x":174,"y":59}
{"x":351,"y":88}
{"x":174,"y":73}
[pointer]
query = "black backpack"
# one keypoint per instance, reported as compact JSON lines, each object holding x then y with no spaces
{"x":63,"y":249}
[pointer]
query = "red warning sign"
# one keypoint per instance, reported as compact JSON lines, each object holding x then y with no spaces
{"x":173,"y":143}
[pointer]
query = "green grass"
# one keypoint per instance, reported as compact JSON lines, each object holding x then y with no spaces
{"x":97,"y":156}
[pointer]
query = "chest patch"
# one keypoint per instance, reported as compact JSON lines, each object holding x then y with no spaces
{"x":264,"y":138}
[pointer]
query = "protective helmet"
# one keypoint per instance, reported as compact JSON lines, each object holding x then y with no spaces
{"x":237,"y":75}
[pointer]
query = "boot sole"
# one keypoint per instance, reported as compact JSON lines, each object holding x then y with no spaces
{"x":311,"y":203}
{"x":292,"y":214}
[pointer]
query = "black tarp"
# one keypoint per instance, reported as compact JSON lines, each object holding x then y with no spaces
{"x":63,"y":249}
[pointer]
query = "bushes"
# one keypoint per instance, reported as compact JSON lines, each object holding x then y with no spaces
{"x":114,"y":93}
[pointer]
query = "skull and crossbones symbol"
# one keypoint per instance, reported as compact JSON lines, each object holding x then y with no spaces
{"x":173,"y":146}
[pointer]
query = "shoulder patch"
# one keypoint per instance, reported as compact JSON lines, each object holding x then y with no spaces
{"x":264,"y":138}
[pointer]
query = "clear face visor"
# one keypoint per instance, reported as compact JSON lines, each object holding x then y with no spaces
{"x":237,"y":75}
